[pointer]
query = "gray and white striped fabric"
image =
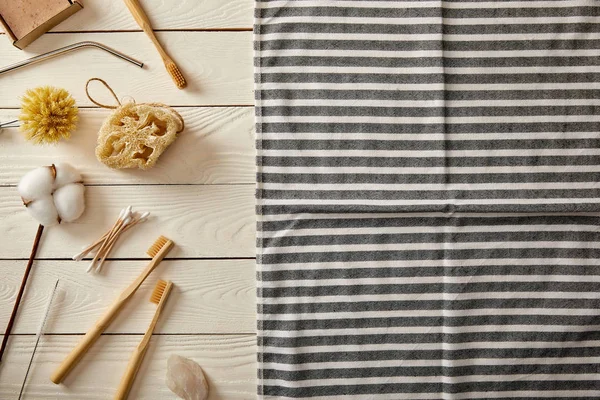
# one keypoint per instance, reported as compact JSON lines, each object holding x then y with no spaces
{"x":428,"y":199}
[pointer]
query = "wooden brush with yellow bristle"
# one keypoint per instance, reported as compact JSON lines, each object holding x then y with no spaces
{"x":142,"y":19}
{"x":159,"y":249}
{"x":48,"y":114}
{"x":159,"y":297}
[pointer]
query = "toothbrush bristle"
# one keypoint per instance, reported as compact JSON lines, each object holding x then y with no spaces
{"x":158,"y":291}
{"x":157,"y":246}
{"x":176,"y":75}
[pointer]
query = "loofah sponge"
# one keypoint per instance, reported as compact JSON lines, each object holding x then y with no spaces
{"x":135,"y":135}
{"x":48,"y":114}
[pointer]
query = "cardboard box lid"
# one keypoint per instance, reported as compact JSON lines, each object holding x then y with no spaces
{"x":25,"y":21}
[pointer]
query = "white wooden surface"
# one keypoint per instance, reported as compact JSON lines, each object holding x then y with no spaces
{"x":201,"y":194}
{"x":217,"y":66}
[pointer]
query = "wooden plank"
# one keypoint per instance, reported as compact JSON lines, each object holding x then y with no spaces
{"x":216,"y":147}
{"x":203,"y":220}
{"x":217,"y":66}
{"x":112,"y":15}
{"x":216,"y":296}
{"x":229,"y":363}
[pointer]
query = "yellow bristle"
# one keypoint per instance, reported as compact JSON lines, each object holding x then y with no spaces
{"x":176,"y":75}
{"x":157,"y":246}
{"x":48,"y":114}
{"x":158,"y":291}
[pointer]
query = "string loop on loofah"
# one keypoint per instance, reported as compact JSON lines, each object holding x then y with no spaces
{"x":87,"y":92}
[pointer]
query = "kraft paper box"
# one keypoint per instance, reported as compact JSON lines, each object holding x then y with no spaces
{"x":26,"y":20}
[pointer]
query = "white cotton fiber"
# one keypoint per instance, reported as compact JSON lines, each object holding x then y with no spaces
{"x":51,"y":198}
{"x":69,"y":201}
{"x":36,"y":183}
{"x":43,"y":210}
{"x":66,"y":174}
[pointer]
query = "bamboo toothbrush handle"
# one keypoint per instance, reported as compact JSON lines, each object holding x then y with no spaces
{"x":142,"y":19}
{"x":88,"y":339}
{"x":132,"y":368}
{"x":138,"y":355}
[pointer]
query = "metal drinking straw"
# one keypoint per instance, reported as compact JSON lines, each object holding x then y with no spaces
{"x":66,"y":49}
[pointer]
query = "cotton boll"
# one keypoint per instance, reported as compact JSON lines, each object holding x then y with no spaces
{"x":69,"y":201}
{"x":36,"y":183}
{"x":66,"y":174}
{"x":43,"y":210}
{"x":53,"y":194}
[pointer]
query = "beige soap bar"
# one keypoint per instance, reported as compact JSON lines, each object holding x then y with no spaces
{"x":23,"y":16}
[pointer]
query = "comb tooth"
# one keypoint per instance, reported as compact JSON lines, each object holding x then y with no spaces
{"x":158,"y":291}
{"x":156,"y":246}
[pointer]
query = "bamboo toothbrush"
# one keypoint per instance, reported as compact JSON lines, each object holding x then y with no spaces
{"x":157,"y":251}
{"x":142,"y":19}
{"x":159,"y":297}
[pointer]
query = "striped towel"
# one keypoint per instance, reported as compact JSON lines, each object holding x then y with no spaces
{"x":428,"y":199}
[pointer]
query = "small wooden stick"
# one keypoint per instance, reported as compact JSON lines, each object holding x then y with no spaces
{"x":108,"y":237}
{"x":111,"y":243}
{"x":84,"y":252}
{"x":13,"y":315}
{"x":117,"y":235}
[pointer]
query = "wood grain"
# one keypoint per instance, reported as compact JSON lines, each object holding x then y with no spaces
{"x":201,"y":195}
{"x":216,"y":147}
{"x":229,"y":363}
{"x":209,"y":297}
{"x":203,"y":220}
{"x":217,"y":66}
{"x":112,"y":15}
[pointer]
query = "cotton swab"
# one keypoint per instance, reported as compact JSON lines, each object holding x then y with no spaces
{"x":127,"y":224}
{"x":110,"y":242}
{"x":126,"y":220}
{"x":108,"y":236}
{"x":123,"y":217}
{"x":39,"y":334}
{"x":84,"y":252}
